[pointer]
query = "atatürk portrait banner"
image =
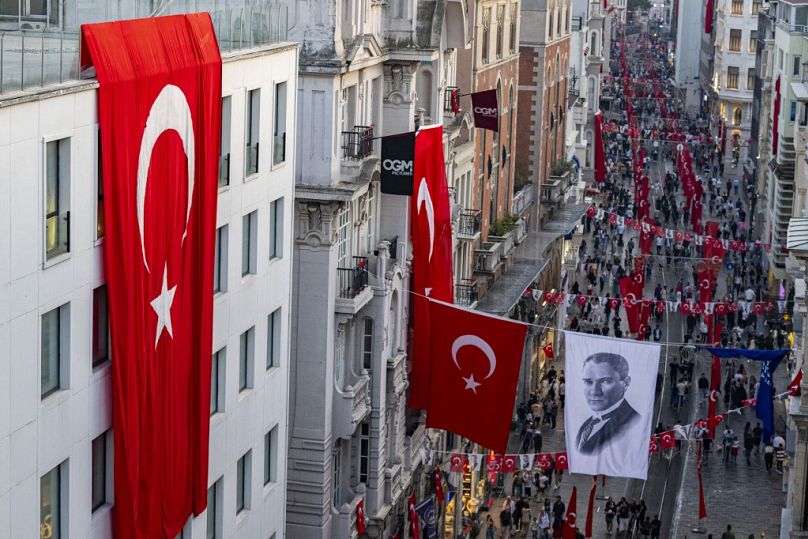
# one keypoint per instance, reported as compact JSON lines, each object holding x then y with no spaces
{"x":610,"y":388}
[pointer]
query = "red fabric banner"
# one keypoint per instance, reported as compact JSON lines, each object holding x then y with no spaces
{"x":438,"y":479}
{"x":570,"y":524}
{"x":458,"y":462}
{"x":600,"y":157}
{"x":702,"y":504}
{"x":708,"y":17}
{"x":590,"y":508}
{"x":159,"y":107}
{"x":360,"y":517}
{"x":475,"y":361}
{"x":715,"y":383}
{"x":561,"y":462}
{"x":431,"y":220}
{"x":776,"y":115}
{"x":412,"y":517}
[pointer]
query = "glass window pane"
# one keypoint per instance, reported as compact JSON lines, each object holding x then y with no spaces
{"x":240,"y":485}
{"x":280,"y":123}
{"x":50,"y":352}
{"x":49,"y":505}
{"x":224,"y":148}
{"x":101,"y":351}
{"x":99,"y":471}
{"x":211,"y":520}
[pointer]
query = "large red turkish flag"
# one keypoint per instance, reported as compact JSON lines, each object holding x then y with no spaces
{"x":475,"y":361}
{"x":431,"y":249}
{"x":159,"y":106}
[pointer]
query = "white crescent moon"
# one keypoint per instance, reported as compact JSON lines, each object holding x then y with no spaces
{"x":169,"y":112}
{"x":713,"y":395}
{"x":424,"y":198}
{"x":477,"y":342}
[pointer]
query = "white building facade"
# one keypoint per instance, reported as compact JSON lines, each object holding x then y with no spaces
{"x":55,"y":357}
{"x":690,"y":25}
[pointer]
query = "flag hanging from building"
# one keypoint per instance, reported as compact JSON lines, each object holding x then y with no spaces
{"x":485,"y":108}
{"x":616,"y":379}
{"x":571,"y":519}
{"x":431,"y":226}
{"x":600,"y":157}
{"x":412,"y":516}
{"x":708,"y":17}
{"x":398,"y":157}
{"x":475,"y":362}
{"x":159,"y":108}
{"x":429,"y":514}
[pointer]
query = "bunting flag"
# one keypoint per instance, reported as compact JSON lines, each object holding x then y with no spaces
{"x":431,"y":251}
{"x":715,"y":383}
{"x":437,"y":476}
{"x":360,"y":517}
{"x":412,"y":517}
{"x":159,"y":109}
{"x":458,"y":462}
{"x":794,"y":385}
{"x":485,"y":110}
{"x":475,"y":361}
{"x":429,"y":514}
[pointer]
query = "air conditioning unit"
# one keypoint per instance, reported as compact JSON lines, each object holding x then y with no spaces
{"x":35,"y":26}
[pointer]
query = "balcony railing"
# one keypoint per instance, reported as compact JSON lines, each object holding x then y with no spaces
{"x":487,"y":257}
{"x":224,"y":170}
{"x":466,"y":293}
{"x":470,"y":223}
{"x":448,"y":96}
{"x":351,"y":281}
{"x":357,"y":144}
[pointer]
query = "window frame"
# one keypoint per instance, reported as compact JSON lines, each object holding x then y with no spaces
{"x":500,"y":39}
{"x":513,"y":45}
{"x":750,"y":78}
{"x":105,"y":441}
{"x":737,"y":7}
{"x":276,"y":219}
{"x":735,"y":39}
{"x":63,"y":145}
{"x":100,"y":223}
{"x":59,"y":476}
{"x":732,"y":77}
{"x":101,"y":298}
{"x":485,"y":40}
{"x":271,"y":457}
{"x":252,"y":133}
{"x":218,"y":363}
{"x":249,"y":244}
{"x":246,"y":360}
{"x":220,"y":252}
{"x":243,"y":483}
{"x":276,"y":124}
{"x":274,"y":335}
{"x":214,"y":510}
{"x":364,"y":452}
{"x":366,"y":344}
{"x":62,"y":320}
{"x":753,"y":37}
{"x":226,"y":142}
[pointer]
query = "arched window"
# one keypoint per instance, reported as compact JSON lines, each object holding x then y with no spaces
{"x":392,"y":336}
{"x":737,"y":116}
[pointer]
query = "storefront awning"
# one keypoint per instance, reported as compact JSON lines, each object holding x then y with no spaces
{"x":507,"y":290}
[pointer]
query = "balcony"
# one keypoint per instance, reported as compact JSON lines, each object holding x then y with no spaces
{"x":353,"y":291}
{"x":506,"y":241}
{"x":393,"y":482}
{"x":469,"y":225}
{"x":451,"y":99}
{"x":523,"y":199}
{"x":466,"y":293}
{"x":551,"y":192}
{"x":345,"y":520}
{"x":358,"y":143}
{"x":351,"y":406}
{"x":412,"y":447}
{"x":397,"y":374}
{"x":487,"y":257}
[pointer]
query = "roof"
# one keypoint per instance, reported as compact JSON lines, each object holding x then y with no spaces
{"x":501,"y":297}
{"x":798,"y":235}
{"x":800,"y":90}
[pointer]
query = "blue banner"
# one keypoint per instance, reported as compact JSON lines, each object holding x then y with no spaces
{"x":428,"y":513}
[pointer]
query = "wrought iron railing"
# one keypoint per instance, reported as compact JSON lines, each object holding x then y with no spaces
{"x":470,"y":223}
{"x":351,"y":281}
{"x":358,"y":143}
{"x":466,"y":293}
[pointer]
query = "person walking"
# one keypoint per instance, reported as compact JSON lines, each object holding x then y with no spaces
{"x":748,"y":442}
{"x":728,"y":534}
{"x":609,"y":513}
{"x":656,"y":527}
{"x":768,"y":457}
{"x":544,"y":525}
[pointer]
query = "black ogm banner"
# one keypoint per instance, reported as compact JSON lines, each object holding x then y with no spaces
{"x":485,"y":109}
{"x":398,"y":156}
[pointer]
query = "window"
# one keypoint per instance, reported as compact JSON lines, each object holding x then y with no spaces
{"x":276,"y":228}
{"x":55,"y":347}
{"x":512,"y":37}
{"x":367,"y":343}
{"x":750,"y":79}
{"x":274,"y":339}
{"x":99,"y":190}
{"x":243,"y":482}
{"x":249,"y":232}
{"x":100,"y":467}
{"x":737,"y":116}
{"x":214,"y":519}
{"x":270,"y":456}
{"x":339,"y":355}
{"x":792,"y":113}
{"x":217,"y":369}
{"x":735,"y":40}
{"x":224,"y":145}
{"x":220,"y":260}
{"x":50,"y":502}
{"x":246,"y":355}
{"x":732,"y":78}
{"x":101,"y":351}
{"x":57,"y":198}
{"x":336,"y":474}
{"x":364,"y":452}
{"x":500,"y":29}
{"x":756,"y":6}
{"x":796,"y":70}
{"x":279,"y":153}
{"x":343,"y":239}
{"x":486,"y":34}
{"x":753,"y":41}
{"x":737,"y":7}
{"x":253,"y":126}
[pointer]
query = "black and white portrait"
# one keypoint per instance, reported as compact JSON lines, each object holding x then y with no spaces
{"x":609,"y":403}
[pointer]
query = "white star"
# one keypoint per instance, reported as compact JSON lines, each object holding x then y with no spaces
{"x":471,"y":383}
{"x":162,"y":306}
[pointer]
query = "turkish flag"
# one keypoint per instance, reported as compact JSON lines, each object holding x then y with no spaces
{"x":509,"y":463}
{"x":794,"y":384}
{"x":360,"y":517}
{"x":600,"y":157}
{"x":631,"y":302}
{"x":702,"y":504}
{"x":458,"y":461}
{"x":590,"y":513}
{"x":475,"y":360}
{"x":561,"y":461}
{"x":570,"y":520}
{"x":159,"y":108}
{"x":548,"y":350}
{"x":437,"y":477}
{"x":432,"y":250}
{"x":715,"y":383}
{"x":667,"y":440}
{"x":653,"y":446}
{"x":412,"y":516}
{"x":544,"y":461}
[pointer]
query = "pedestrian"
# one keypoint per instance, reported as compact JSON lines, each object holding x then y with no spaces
{"x":748,"y":442}
{"x":757,"y":434}
{"x":656,"y":527}
{"x":728,"y":534}
{"x":558,"y":511}
{"x":490,"y":529}
{"x":609,"y":512}
{"x":516,"y":516}
{"x":768,"y":457}
{"x":544,"y":524}
{"x":779,"y":458}
{"x":623,"y":515}
{"x":704,"y":388}
{"x":527,"y":516}
{"x":645,"y":527}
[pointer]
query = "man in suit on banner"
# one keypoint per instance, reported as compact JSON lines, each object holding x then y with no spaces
{"x":606,"y":379}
